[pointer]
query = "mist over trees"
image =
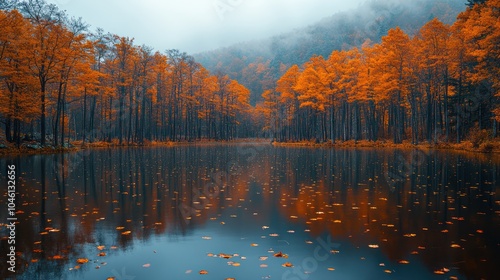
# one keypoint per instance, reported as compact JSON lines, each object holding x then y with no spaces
{"x":439,"y":85}
{"x":387,"y":71}
{"x":259,"y":64}
{"x":60,"y":82}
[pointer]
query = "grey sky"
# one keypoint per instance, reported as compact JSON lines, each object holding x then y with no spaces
{"x":199,"y":25}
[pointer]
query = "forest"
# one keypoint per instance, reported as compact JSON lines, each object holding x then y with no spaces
{"x":60,"y":83}
{"x":257,"y":64}
{"x":437,"y":86}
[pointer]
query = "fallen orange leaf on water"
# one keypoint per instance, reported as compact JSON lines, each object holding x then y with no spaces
{"x":82,"y":260}
{"x":287,"y":264}
{"x":225,"y":256}
{"x":281,"y":255}
{"x":203,"y":271}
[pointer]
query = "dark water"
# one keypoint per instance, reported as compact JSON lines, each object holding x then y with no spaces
{"x":160,"y":213}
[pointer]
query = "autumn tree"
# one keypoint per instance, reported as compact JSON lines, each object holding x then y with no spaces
{"x":43,"y":57}
{"x":19,"y":105}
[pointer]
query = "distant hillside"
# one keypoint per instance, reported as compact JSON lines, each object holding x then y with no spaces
{"x":257,"y":64}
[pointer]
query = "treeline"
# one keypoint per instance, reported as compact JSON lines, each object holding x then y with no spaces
{"x":438,"y":85}
{"x":259,"y":64}
{"x":60,"y":82}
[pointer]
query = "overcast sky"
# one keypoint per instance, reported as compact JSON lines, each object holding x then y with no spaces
{"x":200,"y":25}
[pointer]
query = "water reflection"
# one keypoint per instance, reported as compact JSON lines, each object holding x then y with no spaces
{"x":432,"y":209}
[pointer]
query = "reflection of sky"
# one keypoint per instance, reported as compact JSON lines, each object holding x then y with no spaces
{"x":306,"y":181}
{"x":189,"y":253}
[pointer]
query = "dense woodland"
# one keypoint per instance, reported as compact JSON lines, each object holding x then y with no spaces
{"x":259,"y":64}
{"x":59,"y":82}
{"x":435,"y":86}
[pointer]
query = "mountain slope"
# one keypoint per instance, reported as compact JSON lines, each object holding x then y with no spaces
{"x":258,"y":64}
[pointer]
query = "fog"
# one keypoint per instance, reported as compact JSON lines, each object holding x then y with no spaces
{"x":200,"y":25}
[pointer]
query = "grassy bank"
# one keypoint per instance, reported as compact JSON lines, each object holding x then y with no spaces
{"x":9,"y":149}
{"x":492,"y":146}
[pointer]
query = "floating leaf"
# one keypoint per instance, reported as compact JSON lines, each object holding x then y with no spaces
{"x":455,"y":246}
{"x":281,"y":255}
{"x":404,"y":262}
{"x":374,"y":246}
{"x":225,"y":256}
{"x":101,"y":247}
{"x":82,"y":261}
{"x":263,"y":258}
{"x":126,"y":232}
{"x":203,"y":271}
{"x":254,"y":244}
{"x":388,"y":271}
{"x":331,"y":269}
{"x":287,"y":264}
{"x":236,"y":264}
{"x":146,"y":265}
{"x":263,"y":265}
{"x":101,"y":254}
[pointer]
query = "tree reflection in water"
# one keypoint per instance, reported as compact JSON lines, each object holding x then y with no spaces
{"x":443,"y":210}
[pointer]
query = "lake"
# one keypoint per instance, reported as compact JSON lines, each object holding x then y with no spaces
{"x":254,"y":211}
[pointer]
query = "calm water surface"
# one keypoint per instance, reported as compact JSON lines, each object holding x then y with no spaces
{"x":171,"y":212}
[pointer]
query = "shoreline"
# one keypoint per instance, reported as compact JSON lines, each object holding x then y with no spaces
{"x":24,"y":150}
{"x":489,"y":147}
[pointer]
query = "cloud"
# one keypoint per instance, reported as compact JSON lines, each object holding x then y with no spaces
{"x":200,"y":25}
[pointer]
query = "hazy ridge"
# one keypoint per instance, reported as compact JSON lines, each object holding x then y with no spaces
{"x":257,"y":64}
